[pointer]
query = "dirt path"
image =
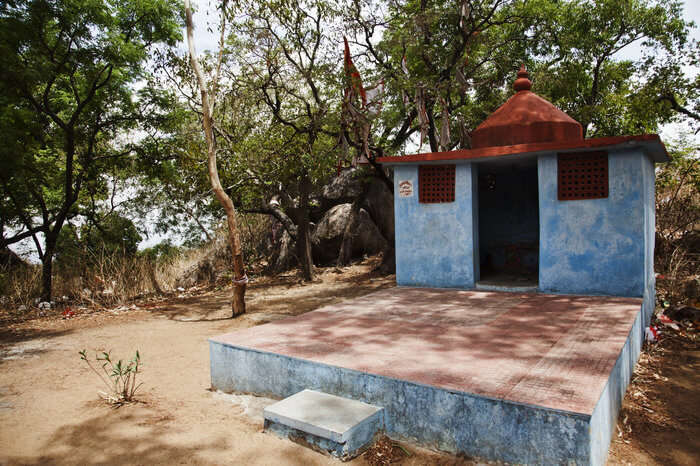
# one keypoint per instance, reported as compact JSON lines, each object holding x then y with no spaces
{"x":50,"y":412}
{"x":660,"y":418}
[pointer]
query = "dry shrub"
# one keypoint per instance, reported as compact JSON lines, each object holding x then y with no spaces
{"x":213,"y":261}
{"x":678,"y":226}
{"x":19,"y":285}
{"x":103,"y":280}
{"x":112,"y":279}
{"x":106,"y":278}
{"x":257,"y":237}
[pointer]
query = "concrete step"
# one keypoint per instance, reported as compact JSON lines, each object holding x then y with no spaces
{"x":339,"y":426}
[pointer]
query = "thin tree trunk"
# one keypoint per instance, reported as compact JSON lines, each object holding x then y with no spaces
{"x":240,"y":278}
{"x":434,"y":146}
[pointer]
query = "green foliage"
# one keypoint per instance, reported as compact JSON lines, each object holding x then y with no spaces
{"x":578,"y":60}
{"x":460,"y":62}
{"x":77,"y":250}
{"x":179,"y":190}
{"x":670,"y":88}
{"x":287,"y":85}
{"x":574,"y":50}
{"x":276,"y":130}
{"x":114,"y":234}
{"x":683,"y":169}
{"x":67,"y":74}
{"x":118,"y":376}
{"x":69,"y":248}
{"x":164,"y":251}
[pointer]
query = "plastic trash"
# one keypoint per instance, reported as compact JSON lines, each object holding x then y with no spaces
{"x":651,"y":334}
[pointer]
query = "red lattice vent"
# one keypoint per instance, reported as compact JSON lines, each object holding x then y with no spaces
{"x":436,"y":183}
{"x":582,"y":175}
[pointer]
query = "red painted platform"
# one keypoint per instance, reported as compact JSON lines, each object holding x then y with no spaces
{"x":553,"y":351}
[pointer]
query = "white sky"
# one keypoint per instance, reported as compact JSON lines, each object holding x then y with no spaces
{"x":205,"y":17}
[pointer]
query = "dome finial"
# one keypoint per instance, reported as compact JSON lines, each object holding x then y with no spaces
{"x":523,"y":82}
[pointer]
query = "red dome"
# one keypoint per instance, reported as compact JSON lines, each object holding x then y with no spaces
{"x":526,"y":118}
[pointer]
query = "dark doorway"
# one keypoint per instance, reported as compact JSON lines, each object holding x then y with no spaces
{"x":509,"y":223}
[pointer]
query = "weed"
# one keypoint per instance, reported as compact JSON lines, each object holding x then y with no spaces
{"x":119,"y":377}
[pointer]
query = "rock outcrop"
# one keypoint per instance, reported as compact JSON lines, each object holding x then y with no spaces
{"x":330,"y":214}
{"x":328,"y":236}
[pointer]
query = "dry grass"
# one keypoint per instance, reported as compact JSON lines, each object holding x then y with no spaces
{"x":114,"y":279}
{"x":19,"y":286}
{"x":678,"y":229}
{"x":109,"y":280}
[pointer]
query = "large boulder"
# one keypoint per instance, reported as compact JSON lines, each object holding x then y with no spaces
{"x":344,"y":187}
{"x":347,"y":186}
{"x":199,"y":272}
{"x":380,"y":206}
{"x":328,"y":236}
{"x":283,"y":253}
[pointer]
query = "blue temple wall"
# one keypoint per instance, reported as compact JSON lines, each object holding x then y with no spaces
{"x":597,"y":246}
{"x":604,"y":418}
{"x":436,"y":243}
{"x":446,"y":420}
{"x":592,"y":246}
{"x":649,"y":174}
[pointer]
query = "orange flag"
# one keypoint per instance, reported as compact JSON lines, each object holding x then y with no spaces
{"x":353,"y":86}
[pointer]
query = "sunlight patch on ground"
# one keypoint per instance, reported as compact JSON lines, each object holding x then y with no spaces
{"x":252,"y":406}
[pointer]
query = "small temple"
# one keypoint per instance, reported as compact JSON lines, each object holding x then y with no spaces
{"x":525,"y":280}
{"x":532,"y":207}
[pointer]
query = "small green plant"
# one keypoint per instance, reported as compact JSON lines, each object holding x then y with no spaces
{"x":119,"y":377}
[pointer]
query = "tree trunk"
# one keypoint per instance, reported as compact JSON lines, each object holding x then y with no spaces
{"x":278,"y":214}
{"x":47,"y":269}
{"x":303,"y":241}
{"x":240,"y":278}
{"x":434,"y":146}
{"x":152,"y":276}
{"x":304,"y":249}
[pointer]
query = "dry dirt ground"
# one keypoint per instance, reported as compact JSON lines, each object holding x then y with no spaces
{"x":50,"y":412}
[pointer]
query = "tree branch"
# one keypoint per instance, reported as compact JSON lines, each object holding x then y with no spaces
{"x":671,"y":99}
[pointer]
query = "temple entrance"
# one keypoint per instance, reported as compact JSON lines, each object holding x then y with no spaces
{"x":509,"y":224}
